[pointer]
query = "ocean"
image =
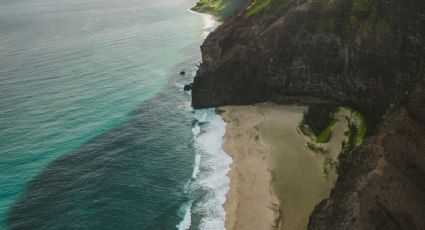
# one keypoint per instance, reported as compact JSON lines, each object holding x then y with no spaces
{"x":95,"y":129}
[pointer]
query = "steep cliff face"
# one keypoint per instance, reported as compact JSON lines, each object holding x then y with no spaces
{"x":384,"y":187}
{"x":368,"y":54}
{"x":364,"y":53}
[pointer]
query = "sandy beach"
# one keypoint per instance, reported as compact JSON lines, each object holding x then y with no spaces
{"x":275,"y":179}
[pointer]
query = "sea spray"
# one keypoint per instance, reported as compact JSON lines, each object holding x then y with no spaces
{"x":186,"y":213}
{"x":209,"y":23}
{"x":211,"y":184}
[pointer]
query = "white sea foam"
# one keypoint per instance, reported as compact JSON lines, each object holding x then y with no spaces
{"x":209,"y":184}
{"x":196,"y":130}
{"x":212,"y":180}
{"x":185,"y":106}
{"x":209,"y":23}
{"x":186,"y":222}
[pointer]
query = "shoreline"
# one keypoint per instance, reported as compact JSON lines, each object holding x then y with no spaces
{"x":250,"y":202}
{"x":209,"y":21}
{"x":275,"y":181}
{"x":206,"y":122}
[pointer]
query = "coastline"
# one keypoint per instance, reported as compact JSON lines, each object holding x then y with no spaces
{"x":250,"y":202}
{"x":208,"y":179}
{"x":282,"y":51}
{"x":275,"y":181}
{"x":210,"y":22}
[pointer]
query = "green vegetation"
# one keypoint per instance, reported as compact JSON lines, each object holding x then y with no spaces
{"x":269,"y":6}
{"x":318,"y":117}
{"x":356,"y":119}
{"x":256,"y":7}
{"x":344,"y":158}
{"x":222,"y":9}
{"x":363,"y":17}
{"x":355,"y":135}
{"x":318,"y":120}
{"x":337,"y":18}
{"x":325,"y":135}
{"x":316,"y":149}
{"x":209,"y":6}
{"x":329,"y":165}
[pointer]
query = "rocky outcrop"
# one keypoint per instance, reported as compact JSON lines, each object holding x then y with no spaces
{"x":367,"y":54}
{"x":364,"y":53}
{"x":384,"y":187}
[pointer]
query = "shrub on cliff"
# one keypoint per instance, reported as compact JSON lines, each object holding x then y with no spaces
{"x":318,"y":118}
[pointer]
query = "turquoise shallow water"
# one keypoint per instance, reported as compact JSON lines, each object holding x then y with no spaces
{"x":95,"y":132}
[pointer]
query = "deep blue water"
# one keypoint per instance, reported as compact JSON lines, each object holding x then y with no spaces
{"x":95,"y":131}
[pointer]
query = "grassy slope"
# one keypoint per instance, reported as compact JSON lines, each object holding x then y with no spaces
{"x":269,"y":6}
{"x":256,"y":7}
{"x":222,"y":9}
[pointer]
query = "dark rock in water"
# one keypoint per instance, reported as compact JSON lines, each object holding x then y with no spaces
{"x":188,"y":87}
{"x":182,"y":73}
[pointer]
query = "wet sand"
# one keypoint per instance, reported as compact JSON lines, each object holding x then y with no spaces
{"x":275,"y":180}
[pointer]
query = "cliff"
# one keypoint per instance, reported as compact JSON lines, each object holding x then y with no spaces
{"x":362,"y":53}
{"x":384,"y":186}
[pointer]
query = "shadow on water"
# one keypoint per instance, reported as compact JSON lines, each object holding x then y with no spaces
{"x":131,"y":177}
